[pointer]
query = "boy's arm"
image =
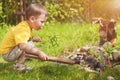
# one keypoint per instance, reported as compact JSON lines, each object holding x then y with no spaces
{"x":30,"y":50}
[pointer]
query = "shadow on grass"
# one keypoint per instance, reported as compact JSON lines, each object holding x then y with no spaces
{"x":62,"y":72}
{"x":109,"y":72}
{"x":45,"y":71}
{"x":6,"y":66}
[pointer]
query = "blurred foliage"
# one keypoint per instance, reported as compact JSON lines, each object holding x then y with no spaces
{"x":65,"y":10}
{"x":8,"y":7}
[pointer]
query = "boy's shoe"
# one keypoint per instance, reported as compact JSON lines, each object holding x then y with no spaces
{"x":21,"y":67}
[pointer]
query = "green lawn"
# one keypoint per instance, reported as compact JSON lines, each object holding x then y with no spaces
{"x":59,"y":39}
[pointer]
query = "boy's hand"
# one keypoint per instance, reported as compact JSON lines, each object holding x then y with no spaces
{"x":36,"y":39}
{"x":33,"y":51}
{"x":43,"y":56}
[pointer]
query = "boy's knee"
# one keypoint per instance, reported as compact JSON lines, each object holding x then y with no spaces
{"x":7,"y":58}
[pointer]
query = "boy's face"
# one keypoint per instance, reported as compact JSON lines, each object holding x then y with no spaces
{"x":38,"y":22}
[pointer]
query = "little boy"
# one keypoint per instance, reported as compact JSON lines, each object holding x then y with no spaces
{"x":18,"y":41}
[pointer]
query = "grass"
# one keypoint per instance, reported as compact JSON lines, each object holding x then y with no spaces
{"x":59,"y":39}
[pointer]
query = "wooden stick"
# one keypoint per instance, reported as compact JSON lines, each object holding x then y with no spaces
{"x":61,"y":60}
{"x":55,"y":59}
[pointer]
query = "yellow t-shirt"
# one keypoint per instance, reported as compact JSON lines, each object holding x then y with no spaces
{"x":21,"y":33}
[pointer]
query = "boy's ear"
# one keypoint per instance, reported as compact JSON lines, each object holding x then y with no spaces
{"x":32,"y":19}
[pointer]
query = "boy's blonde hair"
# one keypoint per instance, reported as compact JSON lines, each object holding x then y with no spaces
{"x":35,"y":9}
